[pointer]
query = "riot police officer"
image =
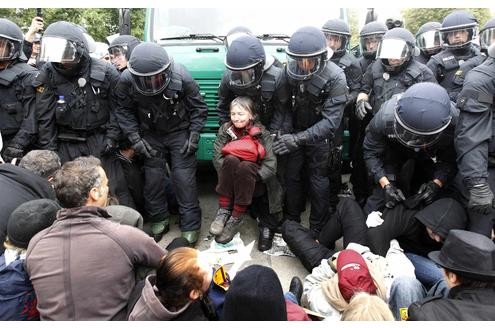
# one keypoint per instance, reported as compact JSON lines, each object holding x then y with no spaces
{"x":338,"y":34}
{"x":18,"y":98}
{"x":370,"y":37}
{"x":428,"y":41}
{"x":475,"y":144}
{"x":457,"y":32}
{"x":319,"y":94}
{"x":120,"y":50}
{"x":74,"y":95}
{"x":161,"y":112}
{"x":409,"y":147}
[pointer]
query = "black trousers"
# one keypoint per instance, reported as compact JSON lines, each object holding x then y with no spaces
{"x":348,"y":221}
{"x":70,"y":150}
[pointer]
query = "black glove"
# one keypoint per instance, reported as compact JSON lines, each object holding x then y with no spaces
{"x":11,"y":152}
{"x":191,"y":144}
{"x":362,"y":108}
{"x":141,"y":146}
{"x":110,"y":146}
{"x":429,"y":192}
{"x":287,"y":143}
{"x":393,"y":196}
{"x":481,"y":198}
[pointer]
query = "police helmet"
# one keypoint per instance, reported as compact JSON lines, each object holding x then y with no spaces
{"x":487,"y":34}
{"x":370,"y":37}
{"x":11,"y":39}
{"x":234,"y":33}
{"x":150,"y":67}
{"x":397,"y":44}
{"x":123,"y":45}
{"x":455,"y":26}
{"x":245,"y":60}
{"x":63,"y":43}
{"x":421,"y":114}
{"x":307,"y":53}
{"x":337,"y":33}
{"x":428,"y":38}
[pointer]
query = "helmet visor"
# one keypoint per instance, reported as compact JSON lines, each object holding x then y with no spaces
{"x":301,"y":68}
{"x":414,"y":140}
{"x":335,"y":41}
{"x":243,"y":78}
{"x":393,"y":49}
{"x":459,"y":37}
{"x":7,"y":49}
{"x":153,"y":84}
{"x":117,"y":51}
{"x":428,"y":41}
{"x":487,"y":37}
{"x":58,"y":50}
{"x":369,"y":43}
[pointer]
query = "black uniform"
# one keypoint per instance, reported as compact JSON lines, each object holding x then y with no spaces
{"x":475,"y":144}
{"x":165,"y":121}
{"x":17,"y":109}
{"x":409,"y":168}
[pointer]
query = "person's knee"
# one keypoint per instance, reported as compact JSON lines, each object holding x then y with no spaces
{"x":231,"y":160}
{"x":246,"y":167}
{"x":406,"y":285}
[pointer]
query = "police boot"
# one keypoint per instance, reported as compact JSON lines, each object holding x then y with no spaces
{"x":231,"y":228}
{"x":265,"y":239}
{"x":158,"y":229}
{"x":218,"y":223}
{"x":191,"y":236}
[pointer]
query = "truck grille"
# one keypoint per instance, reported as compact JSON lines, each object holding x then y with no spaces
{"x":209,"y":91}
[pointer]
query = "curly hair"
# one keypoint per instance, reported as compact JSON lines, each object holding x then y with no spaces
{"x":74,"y":181}
{"x":178,"y":274}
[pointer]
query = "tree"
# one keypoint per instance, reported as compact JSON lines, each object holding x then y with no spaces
{"x":99,"y":22}
{"x":415,"y":17}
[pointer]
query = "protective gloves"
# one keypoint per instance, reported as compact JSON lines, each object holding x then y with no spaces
{"x":362,"y":108}
{"x":110,"y":146}
{"x":191,"y":144}
{"x":287,"y":143}
{"x":141,"y":146}
{"x":11,"y":152}
{"x":429,"y":192}
{"x":481,"y":198}
{"x":393,"y":196}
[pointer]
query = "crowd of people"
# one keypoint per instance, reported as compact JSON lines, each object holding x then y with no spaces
{"x":92,"y":147}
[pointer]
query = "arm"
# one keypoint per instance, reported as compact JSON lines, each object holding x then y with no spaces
{"x":125,"y":112}
{"x":28,"y":128}
{"x":46,"y":101}
{"x":268,"y":167}
{"x":313,"y":296}
{"x":113,"y":129}
{"x":225,"y":97}
{"x":282,"y":116}
{"x":220,"y":141}
{"x":374,"y":147}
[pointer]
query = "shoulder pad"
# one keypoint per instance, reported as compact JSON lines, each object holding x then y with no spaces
{"x":174,"y":86}
{"x":413,"y":70}
{"x":9,"y":75}
{"x":387,"y":115}
{"x":346,"y":60}
{"x":268,"y":83}
{"x":316,"y":85}
{"x":98,"y":70}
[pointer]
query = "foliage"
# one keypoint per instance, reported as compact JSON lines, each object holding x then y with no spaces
{"x":415,"y":17}
{"x":99,"y":22}
{"x":353,"y":24}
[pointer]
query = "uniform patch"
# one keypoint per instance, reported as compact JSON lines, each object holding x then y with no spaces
{"x":403,"y":314}
{"x":40,"y":89}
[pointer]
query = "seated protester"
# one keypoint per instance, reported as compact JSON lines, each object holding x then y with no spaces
{"x":17,"y":297}
{"x":419,"y":232}
{"x":30,"y":180}
{"x":366,"y":307}
{"x":348,"y":220}
{"x":468,"y":260}
{"x":83,"y":266}
{"x":178,"y":289}
{"x":331,"y":285}
{"x":243,"y":159}
{"x":256,"y":294}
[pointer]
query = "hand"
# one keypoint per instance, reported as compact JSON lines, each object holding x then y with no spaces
{"x":393,"y":196}
{"x":428,"y":192}
{"x":37,"y":25}
{"x":191,"y":144}
{"x":110,"y":146}
{"x":287,"y":143}
{"x":141,"y":146}
{"x":11,"y":152}
{"x":481,"y":198}
{"x":362,"y":109}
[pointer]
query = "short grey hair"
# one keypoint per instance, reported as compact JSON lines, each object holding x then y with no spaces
{"x":41,"y":162}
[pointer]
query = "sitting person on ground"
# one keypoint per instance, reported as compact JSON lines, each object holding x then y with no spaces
{"x":468,"y":261}
{"x":246,"y":168}
{"x":348,"y":220}
{"x":17,"y":297}
{"x":366,"y":307}
{"x":331,"y":285}
{"x":256,"y":294}
{"x":178,"y":289}
{"x":30,"y":180}
{"x":83,"y":266}
{"x":418,"y":232}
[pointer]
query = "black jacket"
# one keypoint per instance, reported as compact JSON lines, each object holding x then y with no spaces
{"x":17,"y":186}
{"x":353,"y":74}
{"x":467,"y":304}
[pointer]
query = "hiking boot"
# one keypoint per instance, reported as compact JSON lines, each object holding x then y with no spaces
{"x":191,"y":236}
{"x":296,"y":288}
{"x":218,"y":223}
{"x":265,"y":239}
{"x":158,"y":229}
{"x":231,"y":228}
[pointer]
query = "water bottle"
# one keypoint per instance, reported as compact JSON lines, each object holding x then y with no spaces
{"x":61,"y":106}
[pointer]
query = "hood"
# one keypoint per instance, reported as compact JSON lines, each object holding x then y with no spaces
{"x":37,"y":186}
{"x":442,"y":216}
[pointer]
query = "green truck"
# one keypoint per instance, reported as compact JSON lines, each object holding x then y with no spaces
{"x":194,"y":37}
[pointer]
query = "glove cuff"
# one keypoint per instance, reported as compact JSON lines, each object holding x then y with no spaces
{"x":470,"y":183}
